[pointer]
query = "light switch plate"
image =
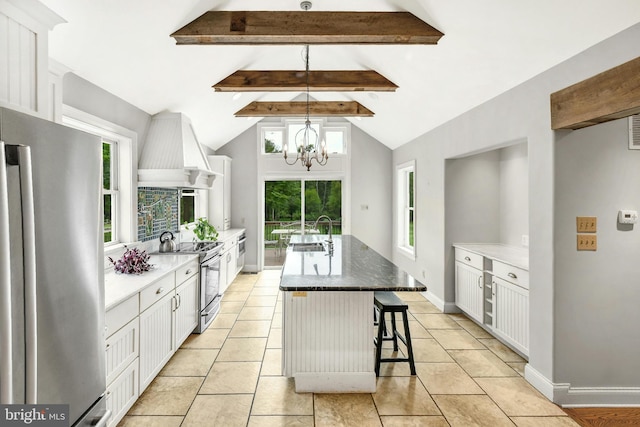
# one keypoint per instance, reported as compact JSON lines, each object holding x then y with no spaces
{"x":587,"y":242}
{"x":586,"y":224}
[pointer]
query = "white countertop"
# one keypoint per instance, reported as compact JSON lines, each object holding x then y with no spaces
{"x":230,"y":233}
{"x":118,"y":287}
{"x":518,"y":256}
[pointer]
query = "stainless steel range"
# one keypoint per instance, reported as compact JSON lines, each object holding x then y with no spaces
{"x":209,"y":278}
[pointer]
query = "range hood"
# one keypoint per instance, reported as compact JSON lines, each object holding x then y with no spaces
{"x":172,"y":157}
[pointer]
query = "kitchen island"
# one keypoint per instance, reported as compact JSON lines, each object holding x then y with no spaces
{"x":328,"y":312}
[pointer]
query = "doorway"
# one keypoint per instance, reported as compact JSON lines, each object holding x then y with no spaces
{"x":292,"y":207}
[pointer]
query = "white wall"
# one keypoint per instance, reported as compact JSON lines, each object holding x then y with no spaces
{"x":521,"y":114}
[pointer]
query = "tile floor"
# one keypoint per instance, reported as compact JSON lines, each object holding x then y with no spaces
{"x":230,"y":376}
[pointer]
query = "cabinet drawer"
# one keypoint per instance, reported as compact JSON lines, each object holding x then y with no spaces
{"x":187,"y":271}
{"x":122,"y":349}
{"x":470,"y":258}
{"x":512,"y":274}
{"x":121,"y":314}
{"x":155,"y":292}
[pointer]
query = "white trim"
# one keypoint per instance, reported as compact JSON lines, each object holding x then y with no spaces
{"x":335,"y":382}
{"x":445,"y":307}
{"x":575,"y":397}
{"x":127,"y":168}
{"x":402,"y":226}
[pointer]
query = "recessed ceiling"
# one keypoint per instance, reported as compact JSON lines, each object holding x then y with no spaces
{"x":489,"y":47}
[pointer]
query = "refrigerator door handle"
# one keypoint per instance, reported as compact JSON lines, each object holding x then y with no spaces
{"x":6,"y":366}
{"x":29,"y":248}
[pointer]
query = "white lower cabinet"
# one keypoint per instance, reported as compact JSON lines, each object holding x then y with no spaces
{"x":144,"y":331}
{"x":470,"y":290}
{"x":496,"y":295}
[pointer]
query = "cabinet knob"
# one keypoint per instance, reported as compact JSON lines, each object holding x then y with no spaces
{"x":187,"y":272}
{"x":159,"y":291}
{"x":467,"y":258}
{"x":513,"y":276}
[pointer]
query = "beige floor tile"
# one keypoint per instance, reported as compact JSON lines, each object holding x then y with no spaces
{"x":150,"y":421}
{"x":189,"y":363}
{"x":261,"y":301}
{"x":223,"y":321}
{"x":242,"y":350}
{"x":167,"y":396}
{"x":471,"y":411}
{"x":501,"y":350}
{"x":411,"y":296}
{"x":436,"y":321}
{"x":278,"y":308}
{"x":403,"y":396}
{"x":517,"y":397}
{"x":239,"y":296}
{"x":446,"y":378}
{"x":518,"y":367}
{"x":277,"y":396}
{"x":482,"y":363}
{"x":241,"y":287}
{"x":272,"y":362}
{"x":473,"y":328}
{"x":417,"y":330}
{"x":211,"y":338}
{"x":231,"y":377}
{"x":544,"y":421}
{"x":417,"y":307}
{"x":246,"y":278}
{"x":219,"y":410}
{"x":231,"y":306}
{"x":250,"y":328}
{"x":414,"y":421}
{"x":276,"y":321}
{"x":429,"y":350}
{"x":394,"y":369}
{"x":256,"y":313}
{"x":281,"y":421}
{"x":452,"y":339}
{"x":275,"y":338}
{"x":345,"y":410}
{"x":270,"y":291}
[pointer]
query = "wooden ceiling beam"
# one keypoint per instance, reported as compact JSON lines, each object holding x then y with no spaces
{"x":299,"y":109}
{"x":293,"y":81}
{"x":300,"y":27}
{"x":610,"y":95}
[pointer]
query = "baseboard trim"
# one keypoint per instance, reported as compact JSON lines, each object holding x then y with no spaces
{"x":250,"y":269}
{"x":575,"y":397}
{"x":335,"y":382}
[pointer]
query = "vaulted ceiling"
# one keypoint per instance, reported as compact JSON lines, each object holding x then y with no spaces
{"x":489,"y":46}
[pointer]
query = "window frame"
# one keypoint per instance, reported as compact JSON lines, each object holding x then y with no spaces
{"x":406,"y":213}
{"x":127,"y":161}
{"x":113,"y":190}
{"x":323,"y":127}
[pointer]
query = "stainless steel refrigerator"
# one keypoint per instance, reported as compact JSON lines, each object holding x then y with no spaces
{"x":51,"y":268}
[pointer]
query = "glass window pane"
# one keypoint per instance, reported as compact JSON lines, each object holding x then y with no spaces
{"x":106,"y":165}
{"x":108,"y":234}
{"x":410,"y":185}
{"x":273,"y":141}
{"x":187,"y":207}
{"x":323,"y":198}
{"x":297,"y":129}
{"x":411,"y":228}
{"x":335,"y":141}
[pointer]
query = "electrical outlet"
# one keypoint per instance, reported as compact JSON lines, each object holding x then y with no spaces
{"x":587,"y":242}
{"x":586,"y":224}
{"x":525,"y":240}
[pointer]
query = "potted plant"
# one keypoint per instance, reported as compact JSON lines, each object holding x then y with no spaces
{"x":203,"y":230}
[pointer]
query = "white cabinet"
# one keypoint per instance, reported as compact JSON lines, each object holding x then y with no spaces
{"x":495,"y":294}
{"x":156,"y":338}
{"x":187,"y":310}
{"x":228,"y":263}
{"x":24,"y":36}
{"x":220,"y":193}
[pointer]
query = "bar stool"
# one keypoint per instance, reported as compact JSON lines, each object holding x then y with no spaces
{"x":388,"y":302}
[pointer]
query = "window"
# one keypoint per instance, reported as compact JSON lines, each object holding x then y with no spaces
{"x":187,"y":206}
{"x":406,"y":208}
{"x":110,"y":190}
{"x":274,"y":137}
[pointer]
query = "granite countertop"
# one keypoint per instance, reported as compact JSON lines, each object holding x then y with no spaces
{"x":517,"y":256}
{"x":353,"y":267}
{"x":119,"y":287}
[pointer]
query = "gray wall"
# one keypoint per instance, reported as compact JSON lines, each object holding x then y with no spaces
{"x":514,"y":194}
{"x":370,"y":182}
{"x":522,"y":114}
{"x":597,"y":293}
{"x":85,"y":96}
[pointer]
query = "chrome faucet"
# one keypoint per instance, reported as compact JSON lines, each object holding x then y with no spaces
{"x":330,"y":226}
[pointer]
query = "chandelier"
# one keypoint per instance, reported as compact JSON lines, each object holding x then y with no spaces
{"x":308,"y":145}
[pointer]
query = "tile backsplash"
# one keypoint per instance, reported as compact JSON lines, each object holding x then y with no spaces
{"x":157,"y":212}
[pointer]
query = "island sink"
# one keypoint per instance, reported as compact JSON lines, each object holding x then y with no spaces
{"x":307,"y":247}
